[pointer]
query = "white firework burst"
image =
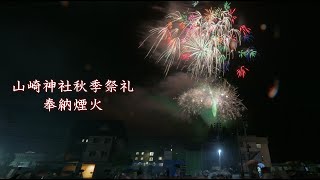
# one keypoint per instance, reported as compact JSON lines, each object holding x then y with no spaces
{"x":221,"y":98}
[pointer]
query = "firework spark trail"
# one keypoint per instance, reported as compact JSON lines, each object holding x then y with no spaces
{"x":221,"y":98}
{"x":241,"y":72}
{"x":169,"y":55}
{"x":162,"y":32}
{"x":203,"y":41}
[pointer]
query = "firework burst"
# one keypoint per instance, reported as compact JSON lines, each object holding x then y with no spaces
{"x":221,"y":98}
{"x":204,"y":43}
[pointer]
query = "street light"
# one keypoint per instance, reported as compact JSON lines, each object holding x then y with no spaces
{"x":219,"y":152}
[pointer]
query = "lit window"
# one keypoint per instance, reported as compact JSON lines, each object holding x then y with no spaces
{"x":142,"y":153}
{"x":259,"y":146}
{"x":137,"y":153}
{"x":160,"y":164}
{"x":170,"y":149}
{"x":151,"y":153}
{"x":160,"y":158}
{"x":87,"y":140}
{"x":151,"y":159}
{"x":141,"y":159}
{"x":146,"y":163}
{"x":82,"y":140}
{"x":136,"y":158}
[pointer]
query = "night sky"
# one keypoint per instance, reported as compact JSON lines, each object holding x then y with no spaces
{"x":99,"y":40}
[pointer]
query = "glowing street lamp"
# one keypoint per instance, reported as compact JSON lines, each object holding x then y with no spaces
{"x":219,"y":152}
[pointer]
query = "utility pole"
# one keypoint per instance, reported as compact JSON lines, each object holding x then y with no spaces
{"x":245,"y":125}
{"x":238,"y":127}
{"x":240,"y":155}
{"x":219,"y":141}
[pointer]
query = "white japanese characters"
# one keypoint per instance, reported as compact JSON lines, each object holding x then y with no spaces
{"x":49,"y":86}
